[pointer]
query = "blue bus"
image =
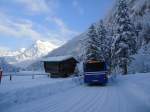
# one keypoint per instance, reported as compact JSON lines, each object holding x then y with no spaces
{"x":95,"y":72}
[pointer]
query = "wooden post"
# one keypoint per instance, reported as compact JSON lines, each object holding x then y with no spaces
{"x":125,"y":69}
{"x":1,"y":72}
{"x":33,"y":76}
{"x":10,"y":77}
{"x":49,"y":75}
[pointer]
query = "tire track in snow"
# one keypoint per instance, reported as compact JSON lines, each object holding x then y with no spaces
{"x":72,"y":103}
{"x":66,"y":98}
{"x":98,"y":102}
{"x":75,"y":103}
{"x":89,"y":106}
{"x":61,"y":101}
{"x":122,"y":104}
{"x":76,"y":96}
{"x":111,"y":102}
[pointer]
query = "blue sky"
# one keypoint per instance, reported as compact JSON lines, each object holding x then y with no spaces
{"x":24,"y":21}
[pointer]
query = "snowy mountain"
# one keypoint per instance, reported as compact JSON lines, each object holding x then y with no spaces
{"x":26,"y":56}
{"x":4,"y":52}
{"x":38,"y":49}
{"x":6,"y":66}
{"x":31,"y":54}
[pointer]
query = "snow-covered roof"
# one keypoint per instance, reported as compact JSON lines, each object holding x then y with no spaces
{"x":57,"y":58}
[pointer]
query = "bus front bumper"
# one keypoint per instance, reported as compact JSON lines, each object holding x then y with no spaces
{"x":101,"y":78}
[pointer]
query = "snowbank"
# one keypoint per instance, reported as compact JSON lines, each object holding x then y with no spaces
{"x":141,"y":62}
{"x":22,"y":94}
{"x":136,"y":85}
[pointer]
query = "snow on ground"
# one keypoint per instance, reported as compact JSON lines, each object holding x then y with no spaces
{"x":23,"y":89}
{"x":124,"y":94}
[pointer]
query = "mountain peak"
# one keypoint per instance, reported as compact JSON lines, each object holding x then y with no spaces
{"x":40,"y":42}
{"x":36,"y":50}
{"x":46,"y":44}
{"x":22,"y":50}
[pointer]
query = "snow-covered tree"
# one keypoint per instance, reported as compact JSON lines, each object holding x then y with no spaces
{"x":141,"y":62}
{"x":124,"y":38}
{"x":91,"y":44}
{"x":146,"y":34}
{"x":103,"y":41}
{"x":110,"y":33}
{"x":139,"y":28}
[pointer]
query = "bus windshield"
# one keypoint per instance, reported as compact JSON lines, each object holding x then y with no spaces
{"x":93,"y":67}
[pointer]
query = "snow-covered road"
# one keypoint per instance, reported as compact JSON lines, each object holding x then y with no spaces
{"x":126,"y":94}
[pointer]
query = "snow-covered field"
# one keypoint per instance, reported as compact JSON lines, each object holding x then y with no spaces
{"x":23,"y":89}
{"x":124,"y":94}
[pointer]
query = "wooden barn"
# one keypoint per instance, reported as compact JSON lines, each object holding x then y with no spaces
{"x":60,"y":66}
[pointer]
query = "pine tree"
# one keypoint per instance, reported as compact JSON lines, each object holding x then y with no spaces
{"x":146,"y":34}
{"x":110,"y":33}
{"x":91,"y":44}
{"x":139,"y":28}
{"x":102,"y":41}
{"x":124,"y":38}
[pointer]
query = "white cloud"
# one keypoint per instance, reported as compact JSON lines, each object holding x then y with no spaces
{"x":17,"y":29}
{"x":35,"y":5}
{"x":22,"y":28}
{"x":39,"y":6}
{"x":62,"y":33}
{"x":77,"y":6}
{"x":62,"y":29}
